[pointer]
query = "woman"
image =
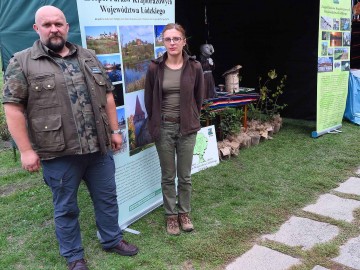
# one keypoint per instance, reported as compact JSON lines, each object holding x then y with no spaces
{"x":174,"y":92}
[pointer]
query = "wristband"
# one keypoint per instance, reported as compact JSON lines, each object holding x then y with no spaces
{"x":117,"y":131}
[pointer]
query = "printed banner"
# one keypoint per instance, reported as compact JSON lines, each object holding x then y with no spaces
{"x":333,"y":64}
{"x":126,"y":35}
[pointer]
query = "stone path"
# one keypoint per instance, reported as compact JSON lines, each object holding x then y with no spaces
{"x":306,"y":233}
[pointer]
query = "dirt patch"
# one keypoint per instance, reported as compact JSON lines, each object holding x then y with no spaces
{"x":12,"y":188}
{"x":187,"y":265}
{"x":9,"y":171}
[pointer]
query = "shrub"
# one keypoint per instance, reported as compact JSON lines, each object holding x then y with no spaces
{"x":230,"y":122}
{"x":4,"y":132}
{"x":271,"y":88}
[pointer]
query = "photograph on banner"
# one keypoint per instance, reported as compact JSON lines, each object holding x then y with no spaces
{"x":123,"y":131}
{"x":158,"y":29}
{"x":330,"y":51}
{"x":345,"y":24}
{"x":136,"y":115}
{"x":137,"y":46}
{"x":324,"y":48}
{"x":118,"y":93}
{"x":325,"y":35}
{"x":159,"y":45}
{"x":102,"y":39}
{"x":345,"y":65}
{"x":337,"y":65}
{"x":160,"y":51}
{"x":341,"y":53}
{"x":326,"y":23}
{"x":347,"y":38}
{"x":325,"y":64}
{"x":335,"y":39}
{"x":112,"y":65}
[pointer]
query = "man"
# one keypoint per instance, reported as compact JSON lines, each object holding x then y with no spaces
{"x":61,"y":113}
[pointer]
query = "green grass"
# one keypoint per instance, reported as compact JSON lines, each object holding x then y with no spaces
{"x":233,"y":204}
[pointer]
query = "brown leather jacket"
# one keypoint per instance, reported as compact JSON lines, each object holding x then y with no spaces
{"x":191,"y":95}
{"x":50,"y":120}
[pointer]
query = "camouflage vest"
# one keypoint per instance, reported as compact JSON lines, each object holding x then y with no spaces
{"x":51,"y":124}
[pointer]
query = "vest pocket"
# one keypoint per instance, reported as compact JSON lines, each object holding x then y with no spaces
{"x":43,"y":90}
{"x":98,"y":80}
{"x":101,"y":82}
{"x":47,"y":133}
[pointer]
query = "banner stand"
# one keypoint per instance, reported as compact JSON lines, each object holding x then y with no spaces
{"x":334,"y":129}
{"x":132,"y":231}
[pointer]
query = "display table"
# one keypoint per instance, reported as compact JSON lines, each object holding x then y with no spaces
{"x":233,"y":100}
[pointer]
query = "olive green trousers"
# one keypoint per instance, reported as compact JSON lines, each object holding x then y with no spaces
{"x":175,"y":153}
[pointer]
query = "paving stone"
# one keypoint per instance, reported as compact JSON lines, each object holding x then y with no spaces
{"x":350,"y":254}
{"x":303,"y":232}
{"x":263,"y":258}
{"x":351,"y":186}
{"x":319,"y":268}
{"x":335,"y":207}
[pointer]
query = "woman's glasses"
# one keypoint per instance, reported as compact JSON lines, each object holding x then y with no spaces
{"x":174,"y":39}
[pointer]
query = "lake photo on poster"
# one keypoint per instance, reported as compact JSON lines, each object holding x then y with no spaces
{"x":134,"y":75}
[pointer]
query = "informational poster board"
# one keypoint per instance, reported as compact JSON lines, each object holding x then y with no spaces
{"x":126,"y":35}
{"x":333,"y":64}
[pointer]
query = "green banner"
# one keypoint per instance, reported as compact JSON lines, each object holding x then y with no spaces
{"x":333,"y":64}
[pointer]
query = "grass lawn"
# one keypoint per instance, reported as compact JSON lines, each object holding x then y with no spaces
{"x":233,"y":204}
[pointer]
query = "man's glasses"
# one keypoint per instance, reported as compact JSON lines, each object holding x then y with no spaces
{"x":174,"y":39}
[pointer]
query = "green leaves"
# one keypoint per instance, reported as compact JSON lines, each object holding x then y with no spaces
{"x":270,"y":90}
{"x":230,"y":121}
{"x":272,"y":74}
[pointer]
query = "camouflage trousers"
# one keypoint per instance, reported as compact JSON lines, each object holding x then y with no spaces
{"x":175,"y":153}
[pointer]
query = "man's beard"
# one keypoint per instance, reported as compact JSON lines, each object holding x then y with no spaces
{"x":56,"y":47}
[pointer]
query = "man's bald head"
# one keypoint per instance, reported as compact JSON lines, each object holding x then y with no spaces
{"x":46,"y":10}
{"x":51,"y":25}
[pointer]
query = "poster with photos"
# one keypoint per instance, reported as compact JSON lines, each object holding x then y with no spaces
{"x":333,"y":64}
{"x":125,"y":37}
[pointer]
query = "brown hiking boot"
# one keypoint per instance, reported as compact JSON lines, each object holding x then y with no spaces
{"x":172,"y":225}
{"x":185,"y":222}
{"x":124,"y":248}
{"x":78,"y":265}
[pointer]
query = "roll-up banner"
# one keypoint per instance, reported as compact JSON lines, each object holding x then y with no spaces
{"x":333,"y":64}
{"x":126,"y":36}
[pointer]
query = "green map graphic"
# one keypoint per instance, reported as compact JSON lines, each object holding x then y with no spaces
{"x":201,"y":146}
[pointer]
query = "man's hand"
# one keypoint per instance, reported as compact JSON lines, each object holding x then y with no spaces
{"x":16,"y":122}
{"x":116,"y":141}
{"x":30,"y":161}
